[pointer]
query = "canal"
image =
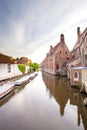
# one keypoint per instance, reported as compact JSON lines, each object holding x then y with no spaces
{"x":46,"y":103}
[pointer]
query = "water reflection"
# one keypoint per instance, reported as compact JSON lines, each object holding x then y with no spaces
{"x":6,"y":98}
{"x":20,"y":88}
{"x":59,"y":88}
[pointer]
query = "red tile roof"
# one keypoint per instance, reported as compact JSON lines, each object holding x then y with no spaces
{"x":6,"y":59}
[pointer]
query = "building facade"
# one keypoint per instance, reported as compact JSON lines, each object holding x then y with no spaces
{"x":79,"y":52}
{"x":9,"y":67}
{"x":77,"y":67}
{"x":57,"y":58}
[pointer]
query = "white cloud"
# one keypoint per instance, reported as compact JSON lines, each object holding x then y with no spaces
{"x":28,"y":28}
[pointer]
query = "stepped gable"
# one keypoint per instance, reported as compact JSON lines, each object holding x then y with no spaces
{"x":6,"y":59}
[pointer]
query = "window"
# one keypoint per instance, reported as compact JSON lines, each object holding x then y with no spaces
{"x":76,"y":76}
{"x":67,"y":58}
{"x":9,"y":68}
{"x":72,"y":65}
{"x":51,"y":53}
{"x":73,"y":56}
{"x":57,"y":66}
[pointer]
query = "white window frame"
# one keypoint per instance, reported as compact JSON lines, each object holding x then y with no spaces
{"x":9,"y":68}
{"x":76,"y":78}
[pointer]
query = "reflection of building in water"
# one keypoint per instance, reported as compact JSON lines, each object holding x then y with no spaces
{"x":77,"y":100}
{"x":59,"y":88}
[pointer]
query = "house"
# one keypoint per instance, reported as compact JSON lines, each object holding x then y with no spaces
{"x":79,"y":52}
{"x":8,"y":68}
{"x":23,"y":60}
{"x":6,"y":59}
{"x":77,"y":67}
{"x":57,"y":58}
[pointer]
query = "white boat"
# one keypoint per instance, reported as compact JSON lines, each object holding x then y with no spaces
{"x":22,"y":80}
{"x":33,"y":75}
{"x":6,"y":88}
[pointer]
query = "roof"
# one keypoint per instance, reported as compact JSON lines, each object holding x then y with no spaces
{"x":6,"y":59}
{"x":80,"y":39}
{"x":56,"y":46}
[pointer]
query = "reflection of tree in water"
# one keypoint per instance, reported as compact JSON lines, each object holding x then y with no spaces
{"x":59,"y":88}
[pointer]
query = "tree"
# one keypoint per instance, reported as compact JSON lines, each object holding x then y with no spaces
{"x":30,"y":62}
{"x":22,"y":68}
{"x":34,"y":67}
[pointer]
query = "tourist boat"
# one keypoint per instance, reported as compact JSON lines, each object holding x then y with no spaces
{"x":6,"y":89}
{"x":22,"y":80}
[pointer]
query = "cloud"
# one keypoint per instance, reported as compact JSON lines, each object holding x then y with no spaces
{"x":27,"y":28}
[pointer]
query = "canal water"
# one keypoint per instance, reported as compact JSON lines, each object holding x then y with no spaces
{"x":46,"y":103}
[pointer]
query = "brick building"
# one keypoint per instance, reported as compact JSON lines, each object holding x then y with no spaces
{"x":57,"y":58}
{"x":79,"y":52}
{"x":77,"y":67}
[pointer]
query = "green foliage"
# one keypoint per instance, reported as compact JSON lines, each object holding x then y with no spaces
{"x":34,"y":67}
{"x":17,"y":58}
{"x":22,"y":68}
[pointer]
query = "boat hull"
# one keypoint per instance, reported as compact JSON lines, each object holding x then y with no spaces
{"x":6,"y":90}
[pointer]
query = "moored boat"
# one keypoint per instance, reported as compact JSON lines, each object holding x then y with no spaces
{"x":22,"y":80}
{"x":6,"y":89}
{"x":33,"y":75}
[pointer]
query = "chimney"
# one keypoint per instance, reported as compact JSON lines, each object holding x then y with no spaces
{"x":62,"y":38}
{"x":78,"y":32}
{"x":51,"y":47}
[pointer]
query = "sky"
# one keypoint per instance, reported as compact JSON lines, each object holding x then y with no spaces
{"x":29,"y":27}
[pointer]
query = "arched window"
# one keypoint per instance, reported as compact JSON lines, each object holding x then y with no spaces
{"x":76,"y":76}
